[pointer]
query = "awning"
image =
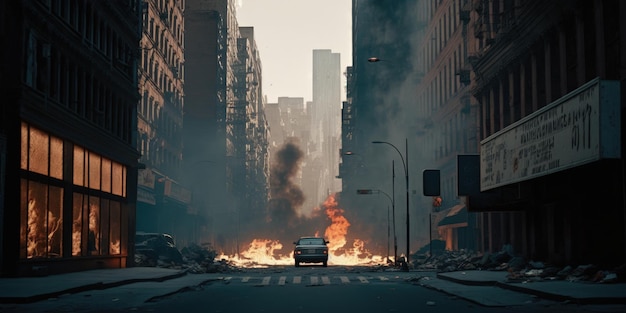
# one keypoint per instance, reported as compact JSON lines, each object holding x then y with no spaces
{"x":456,"y":217}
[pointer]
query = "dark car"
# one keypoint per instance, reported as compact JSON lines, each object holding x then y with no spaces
{"x":153,"y":247}
{"x":311,"y":250}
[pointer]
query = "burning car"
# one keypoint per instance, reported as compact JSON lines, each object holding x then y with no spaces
{"x":311,"y":250}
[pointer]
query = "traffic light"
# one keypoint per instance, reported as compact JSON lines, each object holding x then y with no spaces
{"x":431,"y":183}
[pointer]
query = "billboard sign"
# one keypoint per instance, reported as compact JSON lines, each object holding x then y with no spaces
{"x":581,"y":127}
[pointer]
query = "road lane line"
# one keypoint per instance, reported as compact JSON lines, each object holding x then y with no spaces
{"x":325,"y":280}
{"x":245,"y":279}
{"x":314,"y":280}
{"x":281,"y":280}
{"x":383,"y":278}
{"x":363,"y":279}
{"x":297,"y":279}
{"x":344,"y":280}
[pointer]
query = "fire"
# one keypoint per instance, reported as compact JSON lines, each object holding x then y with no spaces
{"x":263,"y":252}
{"x":338,"y":229}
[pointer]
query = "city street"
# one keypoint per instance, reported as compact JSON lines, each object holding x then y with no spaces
{"x":304,"y":289}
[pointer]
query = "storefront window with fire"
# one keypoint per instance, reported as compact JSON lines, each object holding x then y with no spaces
{"x":97,"y":213}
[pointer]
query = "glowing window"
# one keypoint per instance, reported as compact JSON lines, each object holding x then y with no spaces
{"x":94,"y":171}
{"x":93,"y":238}
{"x":77,"y":224}
{"x":42,"y":220}
{"x":106,"y":175}
{"x":114,"y":235}
{"x":79,"y":166}
{"x":40,"y":152}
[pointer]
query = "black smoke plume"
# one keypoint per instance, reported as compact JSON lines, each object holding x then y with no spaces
{"x":284,"y":220}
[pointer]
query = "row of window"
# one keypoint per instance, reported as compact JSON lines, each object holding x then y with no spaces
{"x":85,"y":19}
{"x":65,"y":82}
{"x":99,"y":220}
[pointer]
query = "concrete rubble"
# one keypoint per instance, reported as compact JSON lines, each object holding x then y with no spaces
{"x":518,"y":268}
{"x":194,"y":259}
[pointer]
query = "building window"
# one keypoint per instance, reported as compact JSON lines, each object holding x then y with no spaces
{"x":98,"y":184}
{"x":42,"y":220}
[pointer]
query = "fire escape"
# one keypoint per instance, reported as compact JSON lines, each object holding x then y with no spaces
{"x":236,"y":122}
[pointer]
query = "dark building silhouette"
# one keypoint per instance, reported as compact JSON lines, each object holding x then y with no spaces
{"x":225,"y":130}
{"x":459,"y":78}
{"x":163,"y":203}
{"x":68,"y":162}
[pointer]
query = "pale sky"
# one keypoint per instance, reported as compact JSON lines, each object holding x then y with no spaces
{"x":286,"y":33}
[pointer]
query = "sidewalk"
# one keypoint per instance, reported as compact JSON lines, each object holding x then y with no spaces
{"x":32,"y":289}
{"x":556,"y":290}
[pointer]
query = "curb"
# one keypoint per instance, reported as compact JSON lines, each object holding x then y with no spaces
{"x":468,"y":282}
{"x":534,"y":292}
{"x":87,"y":287}
{"x":562,"y":298}
{"x":461,"y":297}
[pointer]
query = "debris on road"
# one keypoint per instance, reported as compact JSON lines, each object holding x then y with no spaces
{"x":519,"y":269}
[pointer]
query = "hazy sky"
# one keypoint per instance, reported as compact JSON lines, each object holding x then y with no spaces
{"x":286,"y":33}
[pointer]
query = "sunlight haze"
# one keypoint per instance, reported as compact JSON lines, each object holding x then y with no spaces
{"x":287,"y":31}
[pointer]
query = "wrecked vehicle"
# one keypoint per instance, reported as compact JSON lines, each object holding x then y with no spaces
{"x":155,"y":249}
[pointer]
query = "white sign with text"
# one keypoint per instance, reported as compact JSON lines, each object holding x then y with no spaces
{"x":581,"y":127}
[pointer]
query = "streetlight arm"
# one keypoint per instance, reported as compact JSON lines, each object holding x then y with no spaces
{"x":405,"y":165}
{"x":400,"y":153}
{"x":388,"y":196}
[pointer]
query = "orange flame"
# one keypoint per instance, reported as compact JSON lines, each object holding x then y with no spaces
{"x":262,"y":251}
{"x":338,"y":229}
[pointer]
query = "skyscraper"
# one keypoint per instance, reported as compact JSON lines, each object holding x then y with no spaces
{"x":325,"y":118}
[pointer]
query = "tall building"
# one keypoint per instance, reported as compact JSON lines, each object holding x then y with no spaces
{"x":551,"y":72}
{"x":163,"y":203}
{"x":382,"y":106}
{"x":68,"y":125}
{"x":325,"y":112}
{"x":510,"y":85}
{"x":449,"y":121}
{"x":251,"y":134}
{"x":295,"y":123}
{"x":225,"y":130}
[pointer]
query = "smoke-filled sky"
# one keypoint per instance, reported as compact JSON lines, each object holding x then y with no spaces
{"x":286,"y":33}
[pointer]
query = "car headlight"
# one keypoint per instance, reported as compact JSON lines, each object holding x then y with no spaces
{"x":298,"y":252}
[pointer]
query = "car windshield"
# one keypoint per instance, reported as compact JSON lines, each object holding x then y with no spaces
{"x":312,"y":241}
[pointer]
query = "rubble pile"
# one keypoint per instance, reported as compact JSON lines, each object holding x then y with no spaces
{"x":448,"y":261}
{"x":590,"y":273}
{"x":193,"y":258}
{"x":519,"y":269}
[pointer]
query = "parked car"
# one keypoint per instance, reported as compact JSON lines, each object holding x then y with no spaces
{"x":156,"y":247}
{"x":311,"y":250}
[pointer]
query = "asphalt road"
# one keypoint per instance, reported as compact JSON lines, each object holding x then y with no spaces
{"x":284,"y":289}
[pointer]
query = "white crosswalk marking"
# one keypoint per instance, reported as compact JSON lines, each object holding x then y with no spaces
{"x":266,"y":280}
{"x":314,"y":280}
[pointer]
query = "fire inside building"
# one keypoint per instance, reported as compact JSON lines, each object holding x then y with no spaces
{"x":67,"y":145}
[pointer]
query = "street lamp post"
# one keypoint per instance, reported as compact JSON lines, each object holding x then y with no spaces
{"x":405,"y":164}
{"x":393,"y":210}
